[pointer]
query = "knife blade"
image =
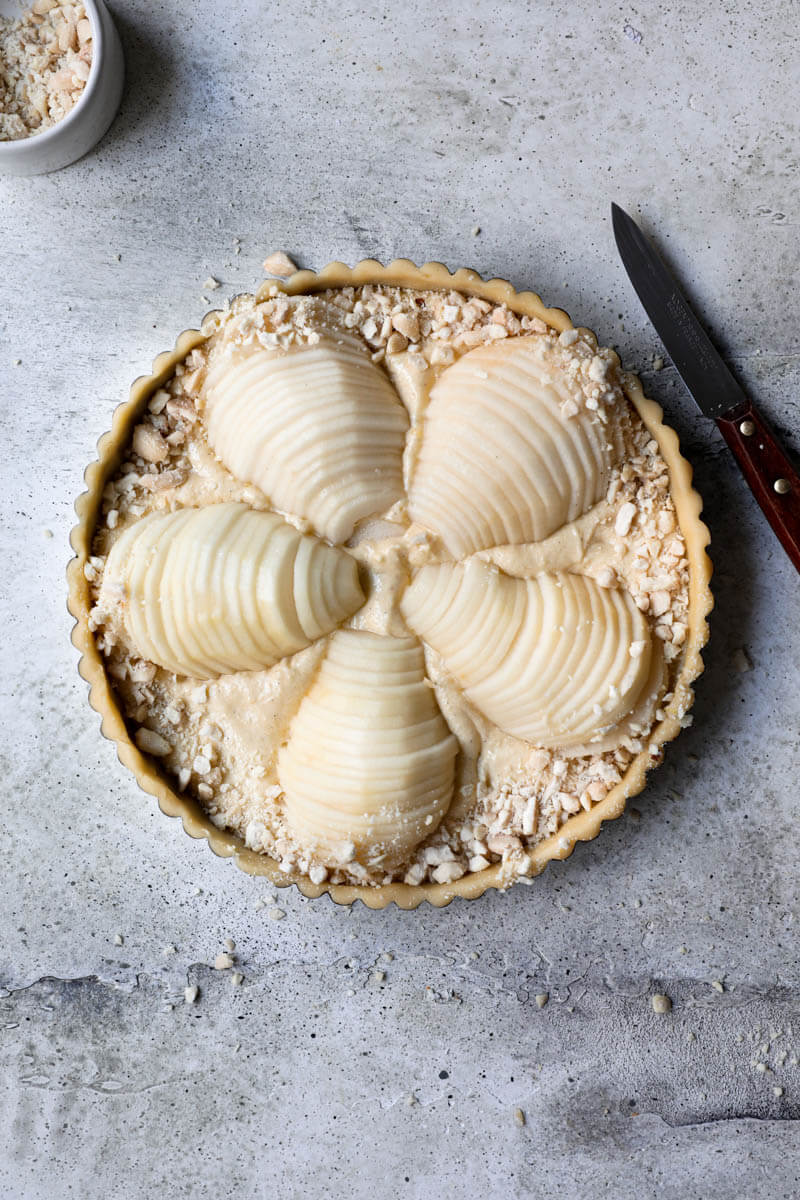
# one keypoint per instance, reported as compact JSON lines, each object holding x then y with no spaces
{"x":766,"y":466}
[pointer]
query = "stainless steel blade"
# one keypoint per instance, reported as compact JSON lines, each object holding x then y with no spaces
{"x":697,"y":361}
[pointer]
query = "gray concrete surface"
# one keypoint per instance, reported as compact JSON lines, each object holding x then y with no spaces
{"x":339,"y":131}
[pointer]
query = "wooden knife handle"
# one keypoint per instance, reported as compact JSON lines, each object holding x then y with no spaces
{"x":769,"y":472}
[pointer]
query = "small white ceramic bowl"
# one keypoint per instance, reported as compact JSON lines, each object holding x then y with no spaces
{"x":83,"y":127}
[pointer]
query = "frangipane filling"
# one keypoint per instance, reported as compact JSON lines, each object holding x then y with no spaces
{"x":391,"y":581}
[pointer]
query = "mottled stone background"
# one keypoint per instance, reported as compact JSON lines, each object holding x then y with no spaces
{"x":340,"y":131}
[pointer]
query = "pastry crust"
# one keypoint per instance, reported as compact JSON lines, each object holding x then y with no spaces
{"x":583,"y":826}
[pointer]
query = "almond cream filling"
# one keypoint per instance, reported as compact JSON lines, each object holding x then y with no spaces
{"x":223,"y":737}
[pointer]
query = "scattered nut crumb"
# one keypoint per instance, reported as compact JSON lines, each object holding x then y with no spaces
{"x":777,"y":1091}
{"x":223,"y":962}
{"x":280,"y":265}
{"x":119,"y":939}
{"x":519,"y":1116}
{"x":407,"y":324}
{"x":211,"y":284}
{"x":661,"y":1003}
{"x":149,"y":444}
{"x":542,"y":999}
{"x":607,"y":577}
{"x":624,"y":519}
{"x":191,"y":993}
{"x":237,"y":978}
{"x":151,"y":742}
{"x":658,"y":363}
{"x":718,"y":985}
{"x":276,"y":914}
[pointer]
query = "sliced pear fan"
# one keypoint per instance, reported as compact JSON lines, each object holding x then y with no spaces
{"x":224,"y":588}
{"x":556,"y":660}
{"x":370,"y":759}
{"x":500,"y":463}
{"x":318,"y":428}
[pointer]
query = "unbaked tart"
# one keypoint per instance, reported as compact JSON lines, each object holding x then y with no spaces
{"x":391,"y":583}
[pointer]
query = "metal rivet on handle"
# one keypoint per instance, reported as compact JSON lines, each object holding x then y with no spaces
{"x":782,"y":486}
{"x":747,"y":428}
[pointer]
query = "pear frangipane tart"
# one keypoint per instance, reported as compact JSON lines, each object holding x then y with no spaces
{"x":391,"y":581}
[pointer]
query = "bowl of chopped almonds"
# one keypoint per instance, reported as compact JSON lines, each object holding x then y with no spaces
{"x":61,"y":77}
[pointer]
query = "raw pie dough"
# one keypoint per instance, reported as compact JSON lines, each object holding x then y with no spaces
{"x":391,"y":580}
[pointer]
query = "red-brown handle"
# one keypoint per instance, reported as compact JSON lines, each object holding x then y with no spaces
{"x":769,"y":472}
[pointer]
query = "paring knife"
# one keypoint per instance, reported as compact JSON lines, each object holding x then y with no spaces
{"x":766,"y":466}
